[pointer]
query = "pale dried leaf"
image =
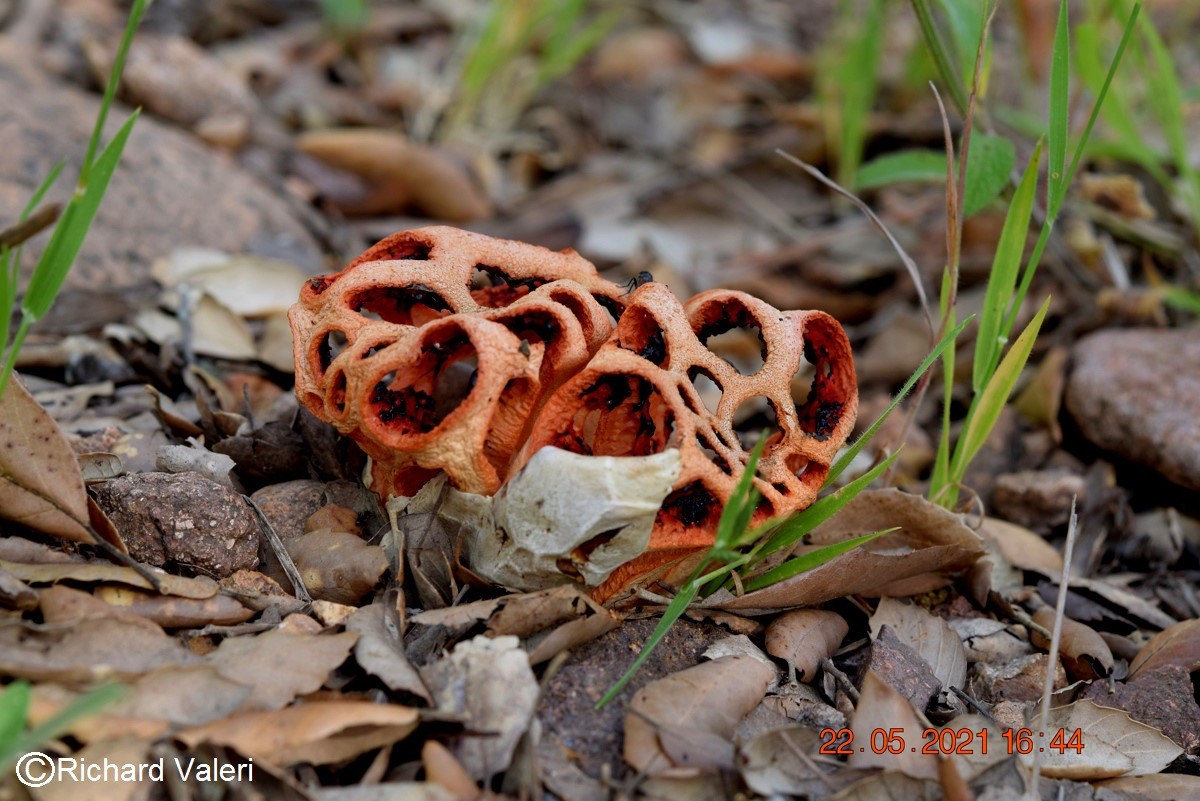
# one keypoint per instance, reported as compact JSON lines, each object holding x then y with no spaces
{"x":100,"y":466}
{"x":281,"y":666}
{"x":1083,"y":652}
{"x":929,"y":635}
{"x":931,"y":543}
{"x":275,"y":344}
{"x":1158,"y":787}
{"x":686,"y":721}
{"x":337,"y":566}
{"x":1114,"y":744}
{"x":217,"y":331}
{"x":804,"y":637}
{"x":1021,"y":547}
{"x":196,"y":587}
{"x":380,"y":650}
{"x":771,"y":763}
{"x":320,"y":733}
{"x":40,"y":483}
{"x":1178,"y":645}
{"x":173,"y":612}
{"x":881,"y":707}
{"x":490,"y":684}
{"x":390,"y":791}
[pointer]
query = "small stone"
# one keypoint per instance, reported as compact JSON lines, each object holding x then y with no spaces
{"x":1162,"y":698}
{"x":288,"y":504}
{"x":184,"y":520}
{"x":1021,"y":679}
{"x":1131,"y":392}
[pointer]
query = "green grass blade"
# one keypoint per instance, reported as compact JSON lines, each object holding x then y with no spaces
{"x":1060,"y":107}
{"x":951,"y":75}
{"x":68,"y":236}
{"x":986,"y":408}
{"x":791,"y":529}
{"x":1182,"y":299}
{"x":810,"y":560}
{"x":924,"y":166}
{"x":1002,"y":281}
{"x":41,"y":191}
{"x":1121,"y":116}
{"x":843,"y":461}
{"x":674,"y":611}
{"x":990,"y":162}
{"x":14,"y":706}
{"x":110,"y":89}
{"x":87,"y":705}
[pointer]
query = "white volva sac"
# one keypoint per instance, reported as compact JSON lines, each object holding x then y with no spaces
{"x":566,"y":513}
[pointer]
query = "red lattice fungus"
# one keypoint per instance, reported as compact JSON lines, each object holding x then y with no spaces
{"x":645,"y":390}
{"x":442,"y":350}
{"x":435,"y":348}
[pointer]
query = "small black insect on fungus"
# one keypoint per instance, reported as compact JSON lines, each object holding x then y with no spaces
{"x":644,"y":277}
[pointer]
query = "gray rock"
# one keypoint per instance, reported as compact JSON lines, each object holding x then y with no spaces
{"x":182,"y":519}
{"x":1136,"y":392}
{"x":170,"y":190}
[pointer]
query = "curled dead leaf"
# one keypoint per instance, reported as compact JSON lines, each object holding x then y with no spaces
{"x":40,"y":482}
{"x":1178,"y":645}
{"x":931,"y":543}
{"x":804,"y":637}
{"x":684,"y":724}
{"x":1083,"y":652}
{"x":320,"y":733}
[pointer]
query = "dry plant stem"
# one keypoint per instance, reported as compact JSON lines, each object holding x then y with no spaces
{"x":1056,"y":637}
{"x":285,"y":559}
{"x":841,"y":678}
{"x":37,"y":222}
{"x":909,"y":264}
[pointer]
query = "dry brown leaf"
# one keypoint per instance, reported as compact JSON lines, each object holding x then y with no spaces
{"x":99,"y":466}
{"x":461,"y":617}
{"x":1084,"y":654}
{"x":1021,"y":547}
{"x":489,"y":683}
{"x":572,"y":634}
{"x":804,"y":637}
{"x":880,"y":707}
{"x":1114,"y":744}
{"x":320,"y":733}
{"x":890,"y":786}
{"x":40,"y":483}
{"x":119,"y":647}
{"x":929,"y":635}
{"x":389,"y":791}
{"x":770,"y":764}
{"x":684,"y":723}
{"x":16,"y":594}
{"x":337,"y":566}
{"x":129,"y":749}
{"x":1178,"y":645}
{"x":528,"y":613}
{"x":931,"y":542}
{"x":442,"y":769}
{"x":167,"y":698}
{"x":198,"y":587}
{"x":399,"y":172}
{"x":176,"y":613}
{"x":380,"y":650}
{"x":281,"y":666}
{"x":1159,"y":787}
